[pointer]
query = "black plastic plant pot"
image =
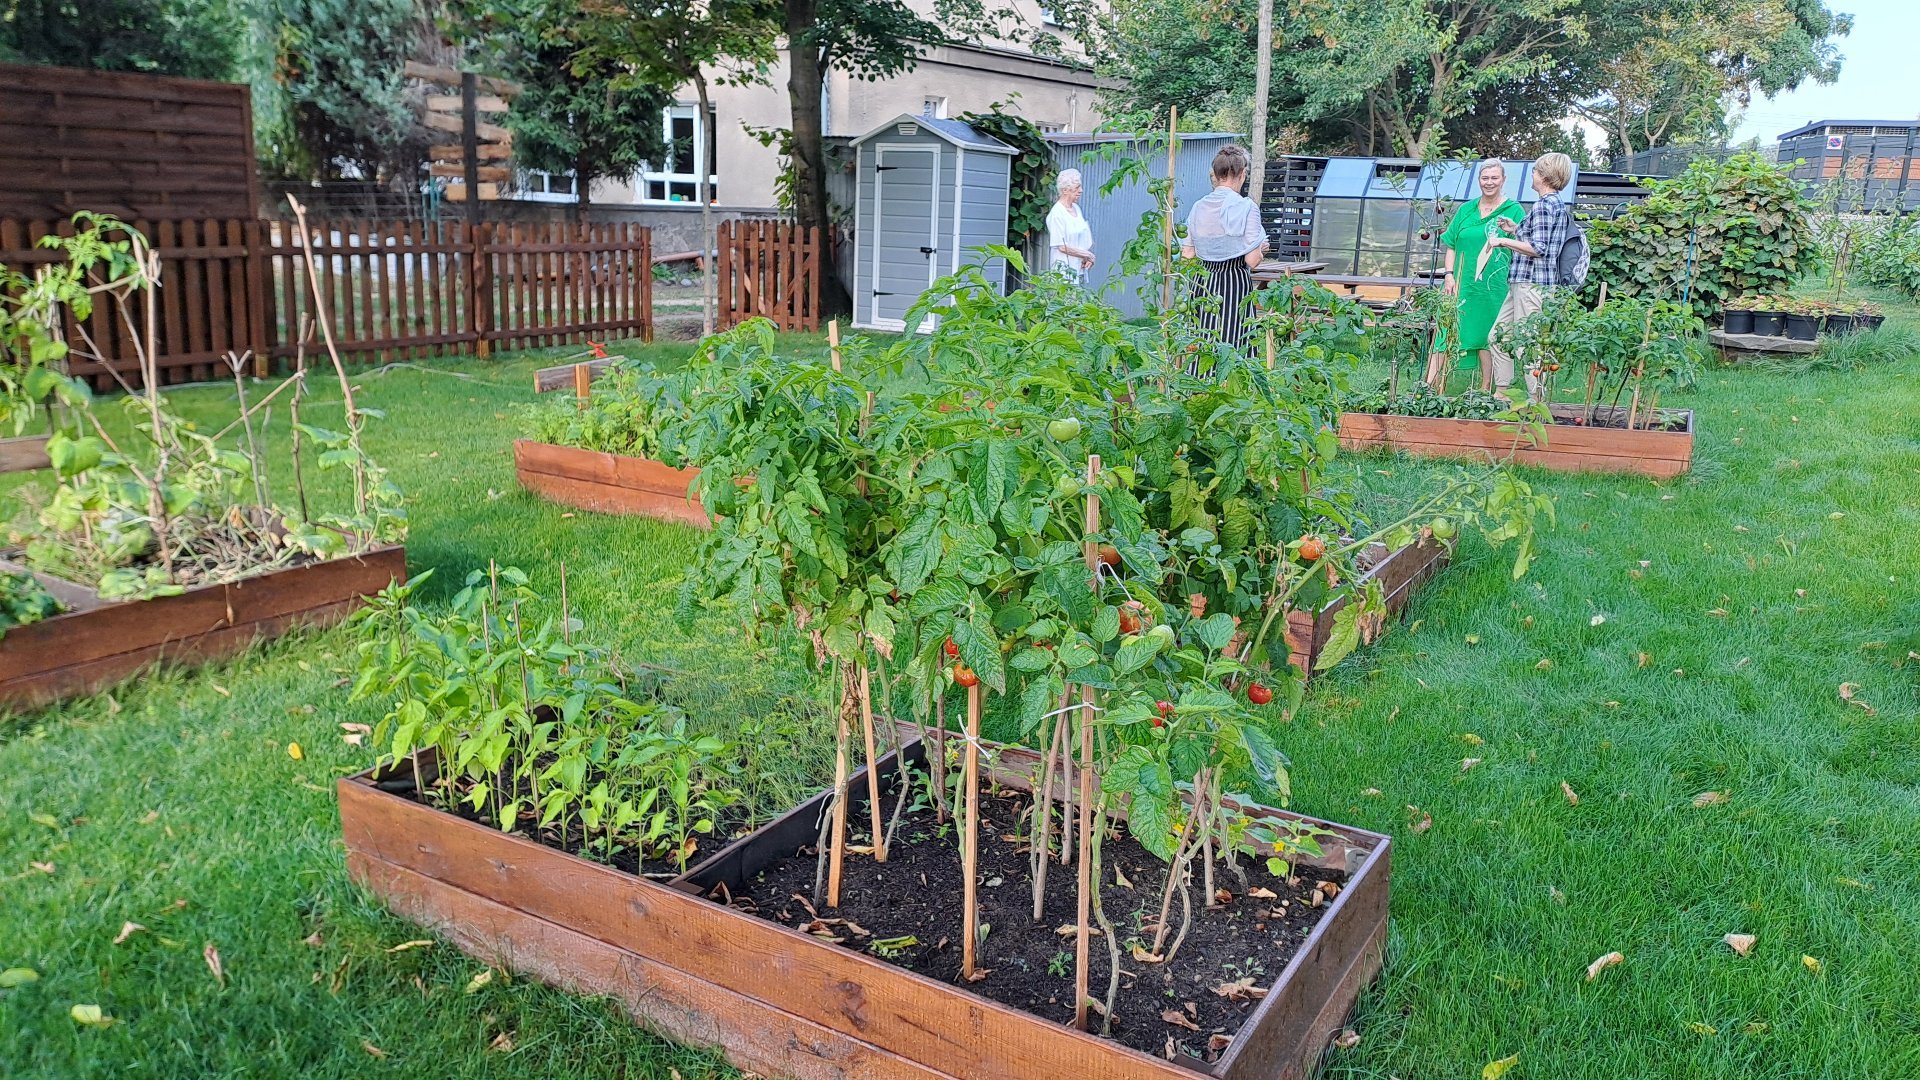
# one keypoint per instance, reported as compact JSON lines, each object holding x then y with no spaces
{"x":1834,"y":324}
{"x":1868,"y":322}
{"x":1769,"y":323}
{"x":1739,"y":321}
{"x":1802,"y":327}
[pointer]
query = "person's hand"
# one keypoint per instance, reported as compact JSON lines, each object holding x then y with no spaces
{"x":1505,"y":225}
{"x":1086,"y":262}
{"x":1452,"y":287}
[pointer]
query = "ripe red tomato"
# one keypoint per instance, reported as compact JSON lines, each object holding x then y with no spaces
{"x":964,"y":675}
{"x":952,"y":649}
{"x":1312,"y":548}
{"x":1259,"y":694}
{"x":1165,"y":707}
{"x":1108,"y":555}
{"x":1129,"y":622}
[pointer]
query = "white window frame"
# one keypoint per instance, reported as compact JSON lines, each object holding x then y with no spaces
{"x":534,"y":185}
{"x":1048,"y":17}
{"x":701,"y":140}
{"x":939,"y":103}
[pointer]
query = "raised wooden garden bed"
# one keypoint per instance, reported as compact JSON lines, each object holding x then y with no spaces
{"x":24,"y":453}
{"x":782,"y":1003}
{"x":608,"y":483}
{"x":97,"y":643}
{"x":1399,"y":574}
{"x":1566,"y":447}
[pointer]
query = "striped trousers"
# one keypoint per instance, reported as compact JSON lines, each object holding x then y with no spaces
{"x":1231,"y":283}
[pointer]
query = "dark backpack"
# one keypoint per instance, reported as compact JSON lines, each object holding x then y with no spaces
{"x":1570,"y":267}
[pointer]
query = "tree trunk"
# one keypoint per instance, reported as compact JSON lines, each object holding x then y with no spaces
{"x":806,"y":76}
{"x":582,"y":188}
{"x":1262,"y":87}
{"x":702,"y":191}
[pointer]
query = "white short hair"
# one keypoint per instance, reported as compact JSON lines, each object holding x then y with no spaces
{"x":1067,"y":178}
{"x":1493,"y":161}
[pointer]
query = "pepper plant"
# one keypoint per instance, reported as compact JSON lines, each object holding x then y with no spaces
{"x":1645,"y":346}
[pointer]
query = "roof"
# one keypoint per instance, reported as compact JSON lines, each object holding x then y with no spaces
{"x":954,"y":131}
{"x":1808,"y":129}
{"x":1072,"y":138}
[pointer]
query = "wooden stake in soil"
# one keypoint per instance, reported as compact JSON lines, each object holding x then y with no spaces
{"x":833,"y":342}
{"x":1173,"y":149}
{"x":582,"y":384}
{"x":1086,"y":886}
{"x":873,"y":766}
{"x":837,"y":854}
{"x":970,"y":846}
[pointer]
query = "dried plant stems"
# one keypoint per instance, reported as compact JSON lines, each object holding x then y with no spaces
{"x":843,"y":734}
{"x":354,"y":419}
{"x":875,"y":807}
{"x":970,"y":844}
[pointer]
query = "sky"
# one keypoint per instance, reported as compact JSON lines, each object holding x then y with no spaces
{"x":1876,"y":80}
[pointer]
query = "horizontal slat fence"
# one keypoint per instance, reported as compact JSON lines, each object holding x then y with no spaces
{"x":390,"y":290}
{"x":770,"y":269}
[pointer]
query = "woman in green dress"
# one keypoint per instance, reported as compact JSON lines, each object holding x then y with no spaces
{"x":1476,"y":276}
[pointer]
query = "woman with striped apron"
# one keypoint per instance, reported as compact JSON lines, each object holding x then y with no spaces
{"x":1225,"y":233}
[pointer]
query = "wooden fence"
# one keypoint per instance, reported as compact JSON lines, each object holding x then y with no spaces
{"x":770,"y":269}
{"x":390,"y":291}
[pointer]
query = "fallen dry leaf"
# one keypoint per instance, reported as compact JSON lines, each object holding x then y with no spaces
{"x":1372,"y":792}
{"x":1709,"y":798}
{"x":151,"y":817}
{"x":1699,"y":1028}
{"x":89,"y":1016}
{"x":1260,"y":892}
{"x":1240,"y":990}
{"x":1741,"y":944}
{"x":1597,"y":620}
{"x":417,"y":943}
{"x":1567,"y":790}
{"x":1810,"y":963}
{"x":1347,"y":1039}
{"x":43,"y":867}
{"x":1120,"y":879}
{"x":1072,"y":930}
{"x":1219,"y":1041}
{"x":313,"y":940}
{"x":1471,"y":739}
{"x":127,"y":930}
{"x":1847,"y":694}
{"x":371,"y":1049}
{"x":1141,"y":954}
{"x":1719,"y":613}
{"x":1494,"y":1070}
{"x":1178,"y":1019}
{"x":1468,"y":763}
{"x":212,"y":956}
{"x":503,"y":1043}
{"x":478,"y":981}
{"x":221,"y":690}
{"x":1594,"y":969}
{"x":1642,"y":659}
{"x":1420,"y":821}
{"x":294,"y":751}
{"x":1755,"y":1027}
{"x":1544,"y":665}
{"x":355,"y":734}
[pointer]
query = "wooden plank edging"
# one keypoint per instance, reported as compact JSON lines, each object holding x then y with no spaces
{"x":1565,"y":448}
{"x":609,"y":483}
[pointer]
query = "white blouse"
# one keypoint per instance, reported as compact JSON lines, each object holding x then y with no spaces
{"x":1068,"y":228}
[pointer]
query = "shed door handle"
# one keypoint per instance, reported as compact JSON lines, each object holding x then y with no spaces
{"x":928,"y":250}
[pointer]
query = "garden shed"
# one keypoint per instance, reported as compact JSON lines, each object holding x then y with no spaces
{"x":1115,"y":216}
{"x":927,"y":191}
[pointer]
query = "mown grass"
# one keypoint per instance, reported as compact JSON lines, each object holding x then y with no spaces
{"x":181,"y":787}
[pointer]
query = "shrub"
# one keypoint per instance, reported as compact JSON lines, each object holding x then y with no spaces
{"x":1716,"y":231}
{"x":1888,"y":254}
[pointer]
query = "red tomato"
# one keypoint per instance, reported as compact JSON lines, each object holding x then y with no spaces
{"x":952,"y":649}
{"x":1259,"y":694}
{"x":1312,"y":548}
{"x":964,"y":675}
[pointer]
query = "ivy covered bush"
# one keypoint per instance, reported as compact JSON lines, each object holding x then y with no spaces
{"x":1731,"y":227}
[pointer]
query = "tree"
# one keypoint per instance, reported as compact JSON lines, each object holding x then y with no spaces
{"x":197,"y":39}
{"x":330,"y":93}
{"x":657,"y":43}
{"x":1670,"y":75}
{"x":569,"y":116}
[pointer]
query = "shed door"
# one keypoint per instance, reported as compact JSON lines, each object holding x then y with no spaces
{"x":906,"y":228}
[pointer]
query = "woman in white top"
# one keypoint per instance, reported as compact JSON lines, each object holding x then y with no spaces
{"x":1225,"y":233}
{"x":1069,"y":238}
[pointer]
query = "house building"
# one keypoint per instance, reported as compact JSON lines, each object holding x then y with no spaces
{"x":1055,"y":94}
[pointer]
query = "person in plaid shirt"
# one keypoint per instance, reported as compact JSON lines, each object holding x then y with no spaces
{"x":1536,"y":248}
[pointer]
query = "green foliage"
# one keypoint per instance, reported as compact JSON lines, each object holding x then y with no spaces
{"x":1032,"y":191}
{"x":33,"y":313}
{"x":1887,"y":253}
{"x":1714,"y":232}
{"x":329,"y":94}
{"x":625,"y":415}
{"x":23,"y":600}
{"x":197,"y":39}
{"x":1647,"y":345}
{"x":1418,"y":399}
{"x":526,"y":725}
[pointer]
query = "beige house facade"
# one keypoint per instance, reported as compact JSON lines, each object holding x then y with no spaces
{"x":948,"y":81}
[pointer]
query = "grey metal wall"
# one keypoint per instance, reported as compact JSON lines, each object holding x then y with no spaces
{"x":1116,"y":216}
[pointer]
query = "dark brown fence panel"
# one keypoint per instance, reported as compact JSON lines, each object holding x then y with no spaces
{"x":137,"y":146}
{"x":391,"y":290}
{"x":557,"y":283}
{"x":212,"y":301}
{"x":770,"y":269}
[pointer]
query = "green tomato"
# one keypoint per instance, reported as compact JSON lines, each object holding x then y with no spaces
{"x":1065,"y":429}
{"x":1162,"y":636}
{"x":1067,"y":486}
{"x":1443,"y":528}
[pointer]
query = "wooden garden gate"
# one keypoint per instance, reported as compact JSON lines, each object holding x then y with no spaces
{"x":770,"y":269}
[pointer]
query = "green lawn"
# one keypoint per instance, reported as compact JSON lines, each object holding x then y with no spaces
{"x":177,"y":806}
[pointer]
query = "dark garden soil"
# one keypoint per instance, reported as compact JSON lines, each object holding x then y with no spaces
{"x":1615,"y":418}
{"x":908,"y":909}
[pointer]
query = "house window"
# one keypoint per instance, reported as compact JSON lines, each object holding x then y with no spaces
{"x":935,"y":107}
{"x":1049,"y":129}
{"x":1048,"y":17}
{"x":547,"y":187}
{"x":690,"y":145}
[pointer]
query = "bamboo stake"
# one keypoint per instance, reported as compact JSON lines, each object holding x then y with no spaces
{"x":1081,"y":935}
{"x":833,"y":342}
{"x":843,"y":734}
{"x":873,"y":766}
{"x":970,"y":848}
{"x":940,"y":755}
{"x":1173,"y":148}
{"x":1270,"y":348}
